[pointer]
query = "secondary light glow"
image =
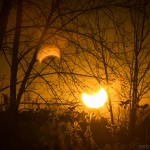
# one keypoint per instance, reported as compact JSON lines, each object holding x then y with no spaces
{"x":48,"y":51}
{"x":95,"y":100}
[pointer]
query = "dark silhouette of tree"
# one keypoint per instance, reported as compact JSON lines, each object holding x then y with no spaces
{"x":133,"y":53}
{"x":140,"y":64}
{"x":15,"y":51}
{"x":43,"y":25}
{"x":117,"y":49}
{"x":4,"y":14}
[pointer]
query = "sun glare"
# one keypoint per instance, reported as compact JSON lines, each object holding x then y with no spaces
{"x":95,"y":100}
{"x":48,"y":51}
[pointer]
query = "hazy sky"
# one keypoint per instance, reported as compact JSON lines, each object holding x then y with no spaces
{"x":79,"y":65}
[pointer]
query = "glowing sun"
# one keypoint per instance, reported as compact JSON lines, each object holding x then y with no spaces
{"x":95,"y":100}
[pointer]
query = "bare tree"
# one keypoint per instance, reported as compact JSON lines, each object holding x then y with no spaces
{"x":23,"y":40}
{"x":140,"y":65}
{"x":121,"y":46}
{"x":133,"y":52}
{"x":4,"y":14}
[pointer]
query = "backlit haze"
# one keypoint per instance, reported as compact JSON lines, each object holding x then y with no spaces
{"x":48,"y":51}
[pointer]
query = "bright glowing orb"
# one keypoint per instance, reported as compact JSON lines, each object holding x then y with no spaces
{"x":95,"y":100}
{"x":48,"y":51}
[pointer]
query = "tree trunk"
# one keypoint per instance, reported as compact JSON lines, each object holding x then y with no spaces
{"x":138,"y":31}
{"x":4,"y":14}
{"x":55,"y":4}
{"x":135,"y":99}
{"x":14,"y":67}
{"x":107,"y":80}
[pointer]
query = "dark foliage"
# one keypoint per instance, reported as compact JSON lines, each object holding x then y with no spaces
{"x":42,"y":130}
